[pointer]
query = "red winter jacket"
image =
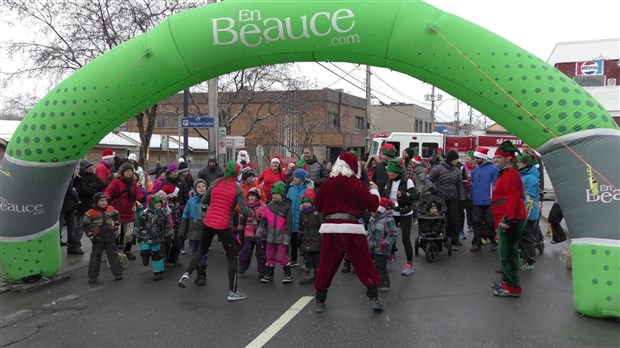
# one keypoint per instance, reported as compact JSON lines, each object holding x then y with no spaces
{"x":268,"y":177}
{"x":122,"y":196}
{"x":507,"y":200}
{"x":222,"y":197}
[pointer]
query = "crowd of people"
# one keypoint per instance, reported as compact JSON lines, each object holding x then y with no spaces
{"x":353,"y":210}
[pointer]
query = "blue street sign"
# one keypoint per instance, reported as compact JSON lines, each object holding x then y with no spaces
{"x":197,"y":122}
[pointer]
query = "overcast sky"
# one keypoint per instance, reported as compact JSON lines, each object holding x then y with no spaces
{"x":535,"y":26}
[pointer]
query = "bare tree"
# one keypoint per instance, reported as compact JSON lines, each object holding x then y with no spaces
{"x":70,"y":33}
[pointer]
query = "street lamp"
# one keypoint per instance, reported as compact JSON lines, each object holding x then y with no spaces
{"x":432,"y":98}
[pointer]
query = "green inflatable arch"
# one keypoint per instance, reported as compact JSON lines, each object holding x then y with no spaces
{"x":530,"y":98}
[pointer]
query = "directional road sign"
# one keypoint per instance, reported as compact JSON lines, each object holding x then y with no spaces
{"x":197,"y":122}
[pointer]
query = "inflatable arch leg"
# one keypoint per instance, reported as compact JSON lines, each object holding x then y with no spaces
{"x":530,"y":98}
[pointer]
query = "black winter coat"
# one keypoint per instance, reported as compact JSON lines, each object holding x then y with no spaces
{"x":309,"y":225}
{"x":71,"y":200}
{"x":86,"y":185}
{"x":447,"y":180}
{"x":408,"y":197}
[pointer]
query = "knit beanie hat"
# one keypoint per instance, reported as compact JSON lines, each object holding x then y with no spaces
{"x":394,"y":166}
{"x":451,"y":156}
{"x":198,"y":181}
{"x":245,"y":174}
{"x":154,"y":200}
{"x":183,"y":167}
{"x":172,"y":167}
{"x":97,"y":196}
{"x":301,"y":174}
{"x":84,"y":163}
{"x":308,"y":196}
{"x":279,"y":188}
{"x":132,"y":157}
{"x":388,"y":150}
{"x":254,"y":191}
{"x":385,"y":204}
{"x":125,"y":166}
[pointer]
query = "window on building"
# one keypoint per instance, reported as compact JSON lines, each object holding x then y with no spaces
{"x":333,"y":121}
{"x":159,"y":121}
{"x":359,"y":123}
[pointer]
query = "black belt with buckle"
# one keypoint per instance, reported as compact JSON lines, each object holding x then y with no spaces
{"x":341,"y":216}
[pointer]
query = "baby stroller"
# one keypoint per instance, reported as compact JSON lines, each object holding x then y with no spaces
{"x":431,"y":233}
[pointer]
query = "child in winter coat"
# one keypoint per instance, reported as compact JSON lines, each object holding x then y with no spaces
{"x":102,"y":225}
{"x":150,"y":230}
{"x":299,"y":185}
{"x":192,"y":227}
{"x":382,"y":235}
{"x":276,"y":223}
{"x":432,"y":224}
{"x":309,"y":224}
{"x":249,"y":226}
{"x":172,"y":244}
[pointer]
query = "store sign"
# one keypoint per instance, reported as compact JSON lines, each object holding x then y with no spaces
{"x":589,"y":68}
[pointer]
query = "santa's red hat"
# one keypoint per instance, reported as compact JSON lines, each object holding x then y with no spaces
{"x":482,"y":152}
{"x":107,"y":154}
{"x":347,"y":159}
{"x":385,"y":204}
{"x":170,"y":190}
{"x":417,"y":159}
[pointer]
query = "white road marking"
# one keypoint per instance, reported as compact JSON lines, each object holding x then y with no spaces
{"x":277,"y":325}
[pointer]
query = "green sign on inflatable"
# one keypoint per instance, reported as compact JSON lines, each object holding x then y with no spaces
{"x":528,"y":97}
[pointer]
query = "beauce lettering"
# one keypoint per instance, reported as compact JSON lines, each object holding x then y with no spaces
{"x":275,"y":29}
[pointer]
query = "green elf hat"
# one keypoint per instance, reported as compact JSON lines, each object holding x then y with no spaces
{"x":470,"y":154}
{"x":506,"y":149}
{"x":388,"y":150}
{"x":231,"y":170}
{"x":301,"y":163}
{"x":394,"y":166}
{"x":279,"y":188}
{"x":308,"y":196}
{"x":528,"y":158}
{"x":154,"y":200}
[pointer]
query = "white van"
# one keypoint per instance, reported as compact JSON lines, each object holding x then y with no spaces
{"x":428,"y":142}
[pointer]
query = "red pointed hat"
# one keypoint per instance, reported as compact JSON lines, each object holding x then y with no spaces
{"x":107,"y":154}
{"x":482,"y":152}
{"x":388,"y":150}
{"x":385,"y":204}
{"x":308,"y":196}
{"x":350,"y":159}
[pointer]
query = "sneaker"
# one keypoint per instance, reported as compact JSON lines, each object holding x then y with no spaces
{"x":376,"y":305}
{"x":485,"y":241}
{"x":496,"y":285}
{"x":118,"y":277}
{"x":183,"y":281}
{"x":390,"y":261}
{"x":158,"y":276}
{"x":462,"y":235}
{"x":408,"y":270}
{"x":293,"y":263}
{"x":236,"y":296}
{"x":346,"y":268}
{"x":526,"y":266}
{"x":130,"y":256}
{"x":92,"y":280}
{"x":267,"y":278}
{"x":384,"y":288}
{"x":501,"y":292}
{"x":183,"y":252}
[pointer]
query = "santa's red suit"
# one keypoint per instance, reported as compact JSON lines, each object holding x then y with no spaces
{"x":342,"y":200}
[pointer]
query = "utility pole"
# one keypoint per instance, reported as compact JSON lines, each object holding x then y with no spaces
{"x":368,"y":107}
{"x":213,"y":112}
{"x":432,"y":98}
{"x":457,"y":116}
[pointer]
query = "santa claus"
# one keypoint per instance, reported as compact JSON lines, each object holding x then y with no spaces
{"x":342,"y":200}
{"x":243,"y":160}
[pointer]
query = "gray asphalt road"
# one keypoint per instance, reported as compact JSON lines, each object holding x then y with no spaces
{"x":444,"y":304}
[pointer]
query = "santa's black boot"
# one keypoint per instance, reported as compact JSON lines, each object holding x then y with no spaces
{"x":319,"y":305}
{"x":201,"y":276}
{"x":373,"y":295}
